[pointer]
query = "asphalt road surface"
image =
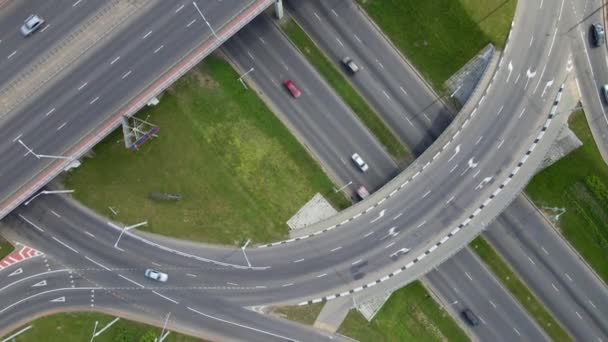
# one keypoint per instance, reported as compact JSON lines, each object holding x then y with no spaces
{"x":463,"y":282}
{"x":482,"y":166}
{"x":562,"y":281}
{"x":260,"y":36}
{"x":329,"y":22}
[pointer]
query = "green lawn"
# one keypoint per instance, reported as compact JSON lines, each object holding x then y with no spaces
{"x":579,"y":184}
{"x":518,"y":289}
{"x":440,"y":36}
{"x":306,"y":314}
{"x":78,"y":327}
{"x":240,"y":172}
{"x":337,"y":81}
{"x":411,"y":314}
{"x":5,"y":248}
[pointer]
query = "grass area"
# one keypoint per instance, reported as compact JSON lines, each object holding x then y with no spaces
{"x":5,"y":248}
{"x":578,"y":183}
{"x":440,"y":36}
{"x":79,"y":327}
{"x":519,"y":290}
{"x":240,"y":172}
{"x":411,"y":314}
{"x":306,"y":314}
{"x":336,"y":80}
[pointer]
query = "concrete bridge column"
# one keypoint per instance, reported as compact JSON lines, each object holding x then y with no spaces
{"x":278,"y":9}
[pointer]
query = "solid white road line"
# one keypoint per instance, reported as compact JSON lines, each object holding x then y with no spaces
{"x":241,"y":325}
{"x":97,"y":263}
{"x":30,"y":222}
{"x":165,"y":297}
{"x":32,"y":276}
{"x":46,"y":292}
{"x":132,"y":281}
{"x":10,"y":338}
{"x":65,"y":245}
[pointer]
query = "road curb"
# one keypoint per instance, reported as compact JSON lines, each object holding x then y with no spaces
{"x":563,"y":239}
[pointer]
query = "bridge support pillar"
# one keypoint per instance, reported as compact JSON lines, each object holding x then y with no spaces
{"x":278,"y":9}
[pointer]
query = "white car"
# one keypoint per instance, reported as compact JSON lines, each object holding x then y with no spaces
{"x":359,"y":161}
{"x":156,"y":275}
{"x":350,"y":65}
{"x":31,"y":24}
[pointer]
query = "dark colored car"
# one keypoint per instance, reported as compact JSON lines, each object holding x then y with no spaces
{"x":597,"y":34}
{"x":295,"y":92}
{"x":470,"y":317}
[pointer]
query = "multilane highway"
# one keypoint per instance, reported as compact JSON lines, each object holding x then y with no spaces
{"x":331,"y":22}
{"x":395,"y":225}
{"x":250,"y":49}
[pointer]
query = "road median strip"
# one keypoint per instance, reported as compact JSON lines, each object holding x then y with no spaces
{"x":519,"y":290}
{"x":336,"y":80}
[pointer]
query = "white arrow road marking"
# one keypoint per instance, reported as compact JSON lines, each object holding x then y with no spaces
{"x":530,"y":74}
{"x":58,"y":300}
{"x":483,"y":182}
{"x":15,"y":272}
{"x":379,"y":216}
{"x":510,"y":67}
{"x":549,"y":84}
{"x":401,"y":251}
{"x":456,"y":150}
{"x":41,"y":283}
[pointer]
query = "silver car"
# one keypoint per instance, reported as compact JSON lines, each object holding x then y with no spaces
{"x":350,"y":65}
{"x":359,"y":162}
{"x":31,"y":24}
{"x":156,"y":275}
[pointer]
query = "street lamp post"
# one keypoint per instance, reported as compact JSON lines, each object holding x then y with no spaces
{"x":162,"y":333}
{"x":125,"y":229}
{"x":94,"y":331}
{"x":48,"y":192}
{"x":243,"y":75}
{"x":205,"y":19}
{"x":40,"y":156}
{"x":344,"y":187}
{"x":245,"y":254}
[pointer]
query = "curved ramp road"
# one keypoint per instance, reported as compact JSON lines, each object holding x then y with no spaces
{"x":477,"y":177}
{"x":434,"y":208}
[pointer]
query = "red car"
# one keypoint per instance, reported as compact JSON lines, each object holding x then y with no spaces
{"x":295,"y":92}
